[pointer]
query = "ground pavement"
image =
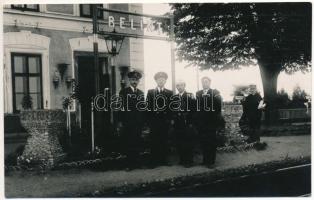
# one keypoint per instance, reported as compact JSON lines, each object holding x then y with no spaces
{"x":71,"y":183}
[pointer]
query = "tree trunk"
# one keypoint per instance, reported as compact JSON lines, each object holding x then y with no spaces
{"x":269,"y":74}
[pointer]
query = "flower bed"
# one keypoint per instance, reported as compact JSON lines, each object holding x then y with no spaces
{"x":99,"y":161}
{"x":117,"y":161}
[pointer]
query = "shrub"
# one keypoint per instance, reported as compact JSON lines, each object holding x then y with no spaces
{"x":11,"y":159}
{"x":298,"y":98}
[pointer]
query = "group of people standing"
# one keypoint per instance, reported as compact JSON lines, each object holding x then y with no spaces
{"x":183,"y":112}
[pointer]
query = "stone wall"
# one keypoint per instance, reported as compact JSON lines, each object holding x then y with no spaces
{"x":232,"y":114}
{"x":232,"y":133}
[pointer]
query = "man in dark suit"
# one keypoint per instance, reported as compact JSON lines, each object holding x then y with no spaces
{"x":183,"y":108}
{"x":159,"y":118}
{"x":208,"y":115}
{"x":131,"y":119}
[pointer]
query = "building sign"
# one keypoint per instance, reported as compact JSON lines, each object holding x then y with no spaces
{"x":135,"y":25}
{"x":123,"y":24}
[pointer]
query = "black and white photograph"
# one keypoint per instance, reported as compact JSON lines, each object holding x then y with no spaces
{"x":171,"y":99}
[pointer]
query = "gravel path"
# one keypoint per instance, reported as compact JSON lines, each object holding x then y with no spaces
{"x":68,"y":183}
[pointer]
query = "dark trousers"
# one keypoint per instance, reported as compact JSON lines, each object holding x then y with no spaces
{"x":159,"y":140}
{"x":131,"y":138}
{"x":185,"y":144}
{"x":254,"y":134}
{"x":254,"y":130}
{"x":208,"y":145}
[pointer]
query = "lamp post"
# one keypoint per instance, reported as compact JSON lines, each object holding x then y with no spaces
{"x":95,"y":48}
{"x":113,"y":43}
{"x":96,"y":70}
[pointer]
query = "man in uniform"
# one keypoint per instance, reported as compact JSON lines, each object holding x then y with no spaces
{"x":182,"y":116}
{"x":159,"y":118}
{"x":208,"y":115}
{"x":131,"y":119}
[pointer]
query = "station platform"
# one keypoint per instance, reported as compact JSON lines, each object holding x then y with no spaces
{"x":281,"y":152}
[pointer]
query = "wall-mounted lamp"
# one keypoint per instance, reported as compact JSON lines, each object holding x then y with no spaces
{"x":62,"y":67}
{"x":56,"y":79}
{"x":69,"y":81}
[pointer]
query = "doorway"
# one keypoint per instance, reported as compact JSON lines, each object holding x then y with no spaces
{"x":86,"y":93}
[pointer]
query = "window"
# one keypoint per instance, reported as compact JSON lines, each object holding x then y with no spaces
{"x":26,"y":7}
{"x":27,"y":80}
{"x":60,"y":8}
{"x":86,"y":10}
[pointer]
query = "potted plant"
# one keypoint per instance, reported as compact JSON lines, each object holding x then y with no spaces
{"x":27,"y":102}
{"x":66,"y":104}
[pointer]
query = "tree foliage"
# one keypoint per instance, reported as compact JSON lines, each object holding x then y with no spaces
{"x":227,"y":36}
{"x":299,"y":97}
{"x":297,"y":100}
{"x":283,"y":100}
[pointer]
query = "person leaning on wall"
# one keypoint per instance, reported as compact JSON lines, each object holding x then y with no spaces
{"x":253,"y":105}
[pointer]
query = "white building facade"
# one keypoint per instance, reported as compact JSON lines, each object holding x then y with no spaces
{"x":48,"y":45}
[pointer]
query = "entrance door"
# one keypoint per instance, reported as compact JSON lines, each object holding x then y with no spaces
{"x":86,"y":84}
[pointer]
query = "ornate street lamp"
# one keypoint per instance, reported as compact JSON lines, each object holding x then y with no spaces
{"x":114,"y":43}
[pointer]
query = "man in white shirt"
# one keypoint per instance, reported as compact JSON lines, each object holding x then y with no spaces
{"x":182,"y":115}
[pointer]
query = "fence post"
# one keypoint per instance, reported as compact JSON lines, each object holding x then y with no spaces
{"x":69,"y":122}
{"x":92,"y":125}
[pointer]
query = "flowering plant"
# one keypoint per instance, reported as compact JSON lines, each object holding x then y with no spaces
{"x":29,"y":162}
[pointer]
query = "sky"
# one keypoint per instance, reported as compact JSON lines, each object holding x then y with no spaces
{"x":157,"y":58}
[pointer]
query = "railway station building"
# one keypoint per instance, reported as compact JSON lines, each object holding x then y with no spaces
{"x":47,"y":46}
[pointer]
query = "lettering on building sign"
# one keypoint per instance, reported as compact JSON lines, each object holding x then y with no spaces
{"x":144,"y":24}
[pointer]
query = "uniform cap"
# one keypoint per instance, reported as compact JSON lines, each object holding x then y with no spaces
{"x":135,"y":74}
{"x":206,"y":77}
{"x":160,"y":75}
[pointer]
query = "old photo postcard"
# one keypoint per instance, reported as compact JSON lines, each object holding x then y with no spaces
{"x":164,"y":99}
